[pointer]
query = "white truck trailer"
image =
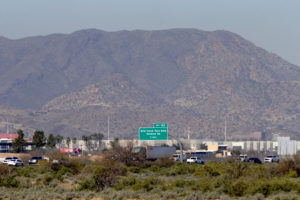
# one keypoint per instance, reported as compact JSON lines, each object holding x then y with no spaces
{"x":155,"y":152}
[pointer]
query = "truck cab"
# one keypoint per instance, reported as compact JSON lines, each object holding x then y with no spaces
{"x":243,"y":157}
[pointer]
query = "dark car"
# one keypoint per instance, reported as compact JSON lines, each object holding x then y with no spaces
{"x":34,"y":160}
{"x":254,"y":160}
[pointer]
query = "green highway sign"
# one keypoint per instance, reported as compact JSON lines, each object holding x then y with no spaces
{"x":153,"y":133}
{"x":160,"y":125}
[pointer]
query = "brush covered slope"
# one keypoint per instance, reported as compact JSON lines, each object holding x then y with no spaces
{"x":71,"y":83}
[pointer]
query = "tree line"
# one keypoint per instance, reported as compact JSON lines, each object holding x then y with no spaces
{"x":39,"y":140}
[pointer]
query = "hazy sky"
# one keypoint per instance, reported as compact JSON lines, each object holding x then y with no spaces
{"x":271,"y":24}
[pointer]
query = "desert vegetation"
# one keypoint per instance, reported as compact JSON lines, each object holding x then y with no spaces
{"x":118,"y":176}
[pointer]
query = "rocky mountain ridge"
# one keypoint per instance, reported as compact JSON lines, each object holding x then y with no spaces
{"x":71,"y":83}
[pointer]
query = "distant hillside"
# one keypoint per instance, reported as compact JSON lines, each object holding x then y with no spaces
{"x":187,"y":77}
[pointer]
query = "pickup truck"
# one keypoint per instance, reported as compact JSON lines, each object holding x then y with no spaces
{"x":177,"y":157}
{"x":195,"y":160}
{"x":243,"y":157}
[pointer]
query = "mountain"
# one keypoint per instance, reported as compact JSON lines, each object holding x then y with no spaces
{"x":71,"y":83}
{"x":112,"y":91}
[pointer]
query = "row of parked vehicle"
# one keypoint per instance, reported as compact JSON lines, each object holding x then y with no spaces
{"x":15,"y":161}
{"x":243,"y":158}
{"x":267,"y":159}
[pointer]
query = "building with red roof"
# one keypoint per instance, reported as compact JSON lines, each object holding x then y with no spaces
{"x":10,"y":136}
{"x":6,"y":141}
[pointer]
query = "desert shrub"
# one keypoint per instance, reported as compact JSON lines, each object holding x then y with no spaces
{"x":55,"y":167}
{"x":155,"y":168}
{"x":234,"y":187}
{"x":178,"y":183}
{"x":103,"y":176}
{"x":4,"y":170}
{"x":200,"y":171}
{"x":267,"y":187}
{"x":206,"y":184}
{"x":25,"y":182}
{"x":292,"y":174}
{"x":237,"y":169}
{"x":43,"y":167}
{"x":10,"y":181}
{"x":211,"y":171}
{"x":126,"y":182}
{"x":146,"y":184}
{"x":88,"y":169}
{"x":63,"y":171}
{"x":47,"y":179}
{"x":75,"y":165}
{"x":181,"y":169}
{"x":7,"y":177}
{"x":87,"y":184}
{"x":143,"y":165}
{"x":283,"y":185}
{"x":134,"y":169}
{"x":238,"y":188}
{"x":225,"y":183}
{"x":164,"y":162}
{"x":28,"y":172}
{"x":106,"y":176}
{"x":289,"y":164}
{"x":258,"y":172}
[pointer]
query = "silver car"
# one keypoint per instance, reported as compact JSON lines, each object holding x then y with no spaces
{"x":270,"y":159}
{"x":15,"y":162}
{"x":7,"y":159}
{"x":195,"y":160}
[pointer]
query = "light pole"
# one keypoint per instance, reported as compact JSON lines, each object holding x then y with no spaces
{"x":81,"y":149}
{"x":180,"y":147}
{"x":181,"y":151}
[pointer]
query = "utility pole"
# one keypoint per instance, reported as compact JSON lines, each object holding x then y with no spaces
{"x":181,"y":151}
{"x":225,"y":130}
{"x":7,"y":131}
{"x":108,"y":128}
{"x":180,"y":146}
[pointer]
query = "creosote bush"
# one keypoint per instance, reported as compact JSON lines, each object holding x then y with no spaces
{"x":8,"y":177}
{"x":289,"y":164}
{"x":103,"y":176}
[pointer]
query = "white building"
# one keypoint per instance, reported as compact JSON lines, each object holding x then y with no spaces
{"x":286,"y":146}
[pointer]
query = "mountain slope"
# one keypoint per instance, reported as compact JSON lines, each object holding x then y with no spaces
{"x":159,"y":61}
{"x":185,"y":74}
{"x":112,"y":91}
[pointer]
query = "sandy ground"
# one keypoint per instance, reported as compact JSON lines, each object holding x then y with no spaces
{"x":23,"y":156}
